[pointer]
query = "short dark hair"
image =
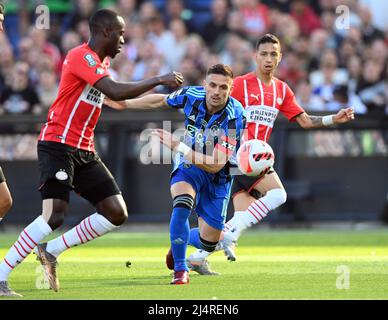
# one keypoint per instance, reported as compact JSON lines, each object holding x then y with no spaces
{"x":1,"y":8}
{"x":220,"y":69}
{"x":267,"y":38}
{"x":101,"y":19}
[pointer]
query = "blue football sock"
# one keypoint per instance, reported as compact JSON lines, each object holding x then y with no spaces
{"x":194,"y":238}
{"x":179,"y":236}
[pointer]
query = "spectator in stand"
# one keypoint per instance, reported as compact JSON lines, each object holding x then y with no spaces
{"x":147,"y":11}
{"x":20,"y":97}
{"x":82,"y":11}
{"x":255,"y":17}
{"x":291,"y":69}
{"x":216,"y":29}
{"x":307,"y":99}
{"x":236,"y":24}
{"x":328,"y":75}
{"x":347,"y":50}
{"x":231,"y":50}
{"x":161,"y":37}
{"x":306,"y":18}
{"x":175,"y":9}
{"x":369,"y":31}
{"x":354,"y":67}
{"x":47,"y":89}
{"x":127,"y":9}
{"x":341,"y":97}
{"x":179,"y":32}
{"x":318,"y":44}
{"x":40,"y":44}
{"x":371,"y":88}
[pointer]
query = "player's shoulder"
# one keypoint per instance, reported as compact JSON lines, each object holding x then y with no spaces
{"x":189,"y":91}
{"x":235,"y":109}
{"x":84,"y":52}
{"x":281,"y":83}
{"x":196,"y":91}
{"x":240,"y":79}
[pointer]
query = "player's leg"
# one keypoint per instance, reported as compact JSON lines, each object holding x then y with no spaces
{"x":183,"y":195}
{"x":211,"y":210}
{"x":240,"y":186}
{"x":52,"y":217}
{"x":5,"y":196}
{"x":97,"y":185}
{"x":55,"y":195}
{"x":250,"y":211}
{"x":204,"y":238}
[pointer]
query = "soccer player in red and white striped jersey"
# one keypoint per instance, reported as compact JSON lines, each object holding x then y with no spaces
{"x":263,"y":96}
{"x":66,"y":155}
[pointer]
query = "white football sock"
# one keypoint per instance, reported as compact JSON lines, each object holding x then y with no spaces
{"x":28,"y":239}
{"x":199,"y":255}
{"x":90,"y":228}
{"x":257,"y":211}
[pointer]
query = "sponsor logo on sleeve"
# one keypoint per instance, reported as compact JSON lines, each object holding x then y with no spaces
{"x":89,"y":58}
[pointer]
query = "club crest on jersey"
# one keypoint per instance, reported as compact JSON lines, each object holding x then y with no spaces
{"x":89,"y":58}
{"x":61,"y":175}
{"x":214,"y":130}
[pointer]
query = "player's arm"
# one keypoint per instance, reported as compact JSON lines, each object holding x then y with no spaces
{"x":307,"y":121}
{"x":212,"y":164}
{"x":149,"y":101}
{"x":118,"y":91}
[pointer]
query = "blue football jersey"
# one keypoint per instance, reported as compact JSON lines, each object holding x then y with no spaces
{"x":203,"y":131}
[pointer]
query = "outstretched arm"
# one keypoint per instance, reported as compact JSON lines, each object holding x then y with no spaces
{"x":342,"y":116}
{"x":149,"y":101}
{"x":117,"y":91}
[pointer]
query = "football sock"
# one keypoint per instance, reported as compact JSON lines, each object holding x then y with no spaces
{"x":1,"y":219}
{"x":257,"y":211}
{"x":28,"y":239}
{"x":180,"y":230}
{"x":179,"y":236}
{"x":90,"y":228}
{"x":194,"y":238}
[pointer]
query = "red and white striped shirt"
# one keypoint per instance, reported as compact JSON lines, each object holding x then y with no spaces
{"x":75,"y":112}
{"x":262,"y":104}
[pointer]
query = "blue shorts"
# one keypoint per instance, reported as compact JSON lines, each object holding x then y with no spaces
{"x":212,"y":199}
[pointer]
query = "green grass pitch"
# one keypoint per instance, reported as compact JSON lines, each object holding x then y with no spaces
{"x":271,"y":265}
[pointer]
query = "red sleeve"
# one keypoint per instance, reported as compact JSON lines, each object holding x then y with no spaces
{"x":86,"y":66}
{"x":290,"y":108}
{"x":238,"y":90}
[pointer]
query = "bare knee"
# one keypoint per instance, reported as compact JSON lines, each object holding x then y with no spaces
{"x":54,"y":211}
{"x":113,"y":209}
{"x":5,"y":205}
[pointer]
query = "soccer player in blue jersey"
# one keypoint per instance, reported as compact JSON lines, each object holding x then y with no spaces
{"x":200,"y":179}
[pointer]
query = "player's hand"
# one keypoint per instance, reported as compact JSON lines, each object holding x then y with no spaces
{"x":344,"y":115}
{"x":166,"y":138}
{"x":172,"y":79}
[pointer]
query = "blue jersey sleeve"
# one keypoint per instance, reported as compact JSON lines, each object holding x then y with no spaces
{"x":178,"y":98}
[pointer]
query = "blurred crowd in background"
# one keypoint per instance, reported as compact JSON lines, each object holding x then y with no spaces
{"x":328,"y":60}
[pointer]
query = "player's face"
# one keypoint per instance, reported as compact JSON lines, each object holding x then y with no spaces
{"x":1,"y":22}
{"x":268,"y":57}
{"x":116,"y":40}
{"x":218,"y":89}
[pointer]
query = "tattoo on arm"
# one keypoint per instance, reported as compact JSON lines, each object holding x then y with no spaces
{"x":316,"y":121}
